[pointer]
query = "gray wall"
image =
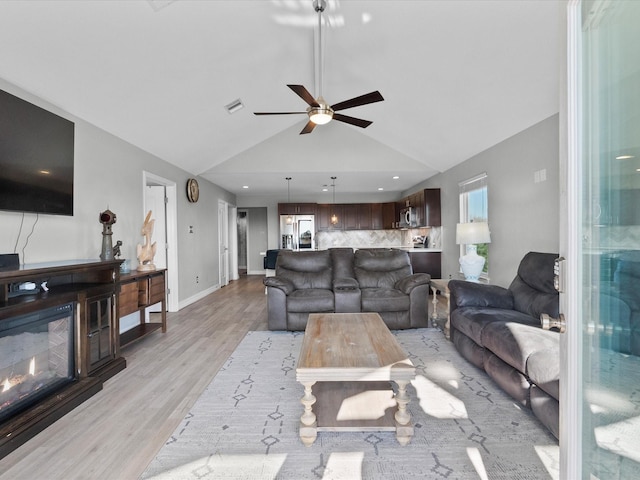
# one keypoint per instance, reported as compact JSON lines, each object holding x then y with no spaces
{"x":523,"y":214}
{"x":108,"y":174}
{"x":256,"y":239}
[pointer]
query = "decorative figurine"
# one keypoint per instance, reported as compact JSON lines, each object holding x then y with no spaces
{"x":116,"y":249}
{"x":147,"y":251}
{"x":107,"y":218}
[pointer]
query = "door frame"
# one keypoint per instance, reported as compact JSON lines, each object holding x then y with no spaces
{"x":171,"y":215}
{"x":570,"y":342}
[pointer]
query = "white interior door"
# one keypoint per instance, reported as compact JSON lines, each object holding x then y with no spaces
{"x":600,"y":383}
{"x":160,"y":195}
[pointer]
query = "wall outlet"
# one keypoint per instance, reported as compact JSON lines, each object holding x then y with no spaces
{"x":197,"y":279}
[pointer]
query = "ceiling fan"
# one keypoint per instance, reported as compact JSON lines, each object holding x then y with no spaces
{"x":319,"y":111}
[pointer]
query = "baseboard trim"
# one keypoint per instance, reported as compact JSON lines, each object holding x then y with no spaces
{"x":198,"y":296}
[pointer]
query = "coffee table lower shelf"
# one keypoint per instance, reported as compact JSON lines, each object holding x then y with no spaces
{"x":354,"y":407}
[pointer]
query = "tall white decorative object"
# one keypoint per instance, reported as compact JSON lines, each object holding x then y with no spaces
{"x":470,"y":234}
{"x":146,"y":251}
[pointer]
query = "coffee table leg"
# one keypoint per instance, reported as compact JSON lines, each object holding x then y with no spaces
{"x":434,"y":314}
{"x":308,"y":425}
{"x":404,"y":429}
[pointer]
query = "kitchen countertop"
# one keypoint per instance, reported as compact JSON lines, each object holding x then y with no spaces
{"x":419,"y":249}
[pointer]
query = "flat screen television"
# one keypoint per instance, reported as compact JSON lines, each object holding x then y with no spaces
{"x":36,"y":158}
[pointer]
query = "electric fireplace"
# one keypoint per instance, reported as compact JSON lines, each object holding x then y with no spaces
{"x":36,"y":357}
{"x":58,"y":345}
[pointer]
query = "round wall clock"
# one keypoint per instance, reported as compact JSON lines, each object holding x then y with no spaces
{"x":193,"y":190}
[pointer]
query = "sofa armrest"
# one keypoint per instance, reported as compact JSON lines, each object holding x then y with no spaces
{"x":345,"y":283}
{"x":470,"y":294}
{"x":280,"y":283}
{"x":406,"y":284}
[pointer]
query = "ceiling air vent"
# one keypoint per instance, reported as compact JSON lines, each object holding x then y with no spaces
{"x":234,"y":106}
{"x":159,"y":4}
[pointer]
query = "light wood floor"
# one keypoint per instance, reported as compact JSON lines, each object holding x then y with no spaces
{"x":117,"y":432}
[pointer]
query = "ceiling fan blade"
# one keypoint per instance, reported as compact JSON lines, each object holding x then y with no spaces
{"x":304,"y":94}
{"x":278,"y":113}
{"x":308,"y":128}
{"x":371,"y":97}
{"x":358,"y":122}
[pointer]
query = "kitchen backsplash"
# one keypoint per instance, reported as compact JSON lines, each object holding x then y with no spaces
{"x":376,"y":238}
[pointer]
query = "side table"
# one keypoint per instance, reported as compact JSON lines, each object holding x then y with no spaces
{"x":442,"y":285}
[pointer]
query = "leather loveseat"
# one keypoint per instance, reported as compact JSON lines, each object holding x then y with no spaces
{"x":498,"y":330}
{"x":340,"y":280}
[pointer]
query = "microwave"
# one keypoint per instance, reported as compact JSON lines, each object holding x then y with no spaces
{"x":408,"y":218}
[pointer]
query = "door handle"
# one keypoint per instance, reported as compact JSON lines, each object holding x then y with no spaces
{"x":549,"y":322}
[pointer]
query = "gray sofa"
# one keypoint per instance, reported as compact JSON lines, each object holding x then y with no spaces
{"x":340,"y":280}
{"x":498,"y":329}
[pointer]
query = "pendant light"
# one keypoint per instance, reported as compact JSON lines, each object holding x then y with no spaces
{"x":289,"y":219}
{"x":334,"y":217}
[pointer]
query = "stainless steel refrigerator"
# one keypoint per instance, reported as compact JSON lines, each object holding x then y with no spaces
{"x":297,"y":232}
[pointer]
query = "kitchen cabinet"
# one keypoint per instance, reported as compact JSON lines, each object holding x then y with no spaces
{"x":390,"y":215}
{"x":297,"y":208}
{"x":357,"y":216}
{"x":323,"y":217}
{"x":426,"y":204}
{"x":427,"y":262}
{"x":431,"y":208}
{"x":377,"y":220}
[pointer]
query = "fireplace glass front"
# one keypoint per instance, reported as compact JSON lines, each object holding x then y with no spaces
{"x":36,"y":357}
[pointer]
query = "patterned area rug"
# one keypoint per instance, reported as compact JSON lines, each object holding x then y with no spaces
{"x":245,"y":424}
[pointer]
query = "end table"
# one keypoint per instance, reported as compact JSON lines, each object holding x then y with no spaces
{"x":442,"y":285}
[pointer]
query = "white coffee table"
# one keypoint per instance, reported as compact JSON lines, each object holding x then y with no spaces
{"x":346,"y":364}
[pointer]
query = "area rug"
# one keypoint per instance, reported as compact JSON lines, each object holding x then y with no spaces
{"x":245,"y":424}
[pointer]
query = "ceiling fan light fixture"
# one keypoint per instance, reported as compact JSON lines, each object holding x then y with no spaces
{"x":320,"y":116}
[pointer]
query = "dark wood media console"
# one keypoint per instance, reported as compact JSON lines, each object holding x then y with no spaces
{"x":139,"y":290}
{"x":93,"y":287}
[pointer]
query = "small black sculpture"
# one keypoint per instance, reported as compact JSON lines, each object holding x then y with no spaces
{"x":116,"y":249}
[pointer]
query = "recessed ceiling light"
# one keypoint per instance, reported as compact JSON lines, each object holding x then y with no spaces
{"x":245,"y":186}
{"x":624,"y":157}
{"x":234,"y":106}
{"x":396,"y":177}
{"x":380,"y":188}
{"x":45,"y":172}
{"x":325,"y":189}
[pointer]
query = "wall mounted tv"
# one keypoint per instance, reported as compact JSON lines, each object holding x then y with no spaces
{"x":36,"y":158}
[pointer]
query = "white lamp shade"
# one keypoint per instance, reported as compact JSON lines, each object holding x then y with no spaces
{"x":472,"y":233}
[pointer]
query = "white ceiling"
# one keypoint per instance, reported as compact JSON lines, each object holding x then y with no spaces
{"x":457,"y":77}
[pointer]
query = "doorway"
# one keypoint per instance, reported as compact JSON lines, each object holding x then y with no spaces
{"x":242,"y":241}
{"x":160,"y":197}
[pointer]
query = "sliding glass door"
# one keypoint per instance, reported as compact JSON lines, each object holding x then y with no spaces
{"x":600,"y":400}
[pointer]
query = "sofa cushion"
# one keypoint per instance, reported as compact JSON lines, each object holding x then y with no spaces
{"x":543,"y":368}
{"x":384,"y":300}
{"x":514,"y":343}
{"x":546,"y":409}
{"x":380,"y":267}
{"x":472,"y":320}
{"x":533,"y":289}
{"x":342,"y":259}
{"x":306,"y":269}
{"x":310,"y":300}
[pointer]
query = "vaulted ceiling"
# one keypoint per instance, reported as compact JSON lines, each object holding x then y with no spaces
{"x":457,"y":77}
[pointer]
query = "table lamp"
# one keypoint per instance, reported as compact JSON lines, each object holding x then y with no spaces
{"x":470,"y":234}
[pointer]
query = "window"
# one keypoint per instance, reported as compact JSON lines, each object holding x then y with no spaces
{"x":474,"y":208}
